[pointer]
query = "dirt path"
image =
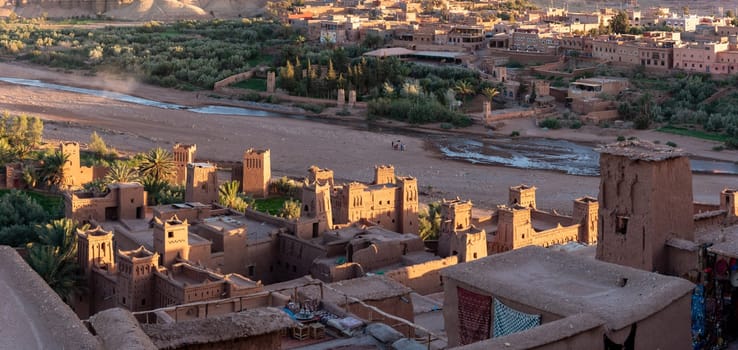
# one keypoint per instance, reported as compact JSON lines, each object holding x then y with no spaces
{"x":297,"y":144}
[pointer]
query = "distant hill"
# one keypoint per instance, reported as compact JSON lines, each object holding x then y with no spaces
{"x":138,"y":10}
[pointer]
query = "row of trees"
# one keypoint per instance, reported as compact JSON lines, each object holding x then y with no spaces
{"x":19,"y":134}
{"x":185,"y":54}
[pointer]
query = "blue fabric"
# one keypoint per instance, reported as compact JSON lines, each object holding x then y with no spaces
{"x":289,"y":313}
{"x":509,"y":321}
{"x":698,"y":317}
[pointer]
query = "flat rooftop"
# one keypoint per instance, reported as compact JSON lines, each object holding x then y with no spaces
{"x":374,"y":287}
{"x":567,"y":285}
{"x":176,"y":207}
{"x":187,"y":274}
{"x":641,"y":150}
{"x":139,"y":232}
{"x":255,"y":230}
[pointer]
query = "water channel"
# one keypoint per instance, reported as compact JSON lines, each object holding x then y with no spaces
{"x":526,"y":153}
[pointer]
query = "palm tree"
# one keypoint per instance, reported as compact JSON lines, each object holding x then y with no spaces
{"x":290,"y":209}
{"x":61,"y":234}
{"x":158,"y":164}
{"x":29,"y":176}
{"x":228,"y":196}
{"x":121,"y":171}
{"x":62,"y":276}
{"x":464,"y":88}
{"x":429,"y":223}
{"x":490,"y":93}
{"x":52,"y":170}
{"x":54,"y":257}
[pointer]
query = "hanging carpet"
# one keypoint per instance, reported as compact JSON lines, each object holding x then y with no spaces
{"x":475,"y":312}
{"x":509,"y":321}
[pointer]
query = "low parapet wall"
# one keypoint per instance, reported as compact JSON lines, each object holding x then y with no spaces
{"x":424,"y":278}
{"x":39,"y":317}
{"x":504,"y":114}
{"x":233,"y":79}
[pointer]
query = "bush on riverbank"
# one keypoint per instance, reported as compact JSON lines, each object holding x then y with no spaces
{"x":415,"y":111}
{"x":550,"y":123}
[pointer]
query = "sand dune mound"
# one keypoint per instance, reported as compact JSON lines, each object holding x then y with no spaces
{"x":232,"y":8}
{"x":147,"y":10}
{"x":50,"y":10}
{"x":165,"y":10}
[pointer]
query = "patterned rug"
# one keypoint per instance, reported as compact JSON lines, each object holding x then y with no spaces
{"x":509,"y":321}
{"x":475,"y":313}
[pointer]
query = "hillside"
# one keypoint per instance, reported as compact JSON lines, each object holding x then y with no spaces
{"x":139,"y":10}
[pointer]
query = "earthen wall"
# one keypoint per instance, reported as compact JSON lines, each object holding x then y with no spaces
{"x":424,"y":278}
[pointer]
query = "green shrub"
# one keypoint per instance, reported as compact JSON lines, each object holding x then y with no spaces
{"x":415,"y":110}
{"x":344,"y":112}
{"x":515,"y":133}
{"x":251,"y":96}
{"x":447,"y":126}
{"x":731,"y":144}
{"x":718,"y":148}
{"x":311,"y":107}
{"x":550,"y":123}
{"x":671,"y":144}
{"x":621,"y":138}
{"x":575,"y":124}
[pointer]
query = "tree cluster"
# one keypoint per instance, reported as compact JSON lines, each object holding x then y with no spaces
{"x":19,"y":134}
{"x":685,"y":101}
{"x":185,"y":54}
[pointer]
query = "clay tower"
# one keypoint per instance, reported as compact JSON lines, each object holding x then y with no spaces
{"x":522,"y":195}
{"x":384,"y":174}
{"x":257,"y":171}
{"x":183,"y":155}
{"x":729,"y":203}
{"x":585,"y":214}
{"x":408,"y":204}
{"x":72,"y":167}
{"x":171,"y":240}
{"x":202,"y":183}
{"x":136,"y":278}
{"x":645,"y":198}
{"x":95,"y":249}
{"x":316,"y":203}
{"x":457,"y":236}
{"x":514,"y":227}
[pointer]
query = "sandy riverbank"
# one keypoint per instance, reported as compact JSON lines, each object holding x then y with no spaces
{"x":297,"y":144}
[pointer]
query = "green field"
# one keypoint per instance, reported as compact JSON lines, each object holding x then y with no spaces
{"x":270,"y":205}
{"x":252,"y":84}
{"x":694,"y":133}
{"x":53,"y":204}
